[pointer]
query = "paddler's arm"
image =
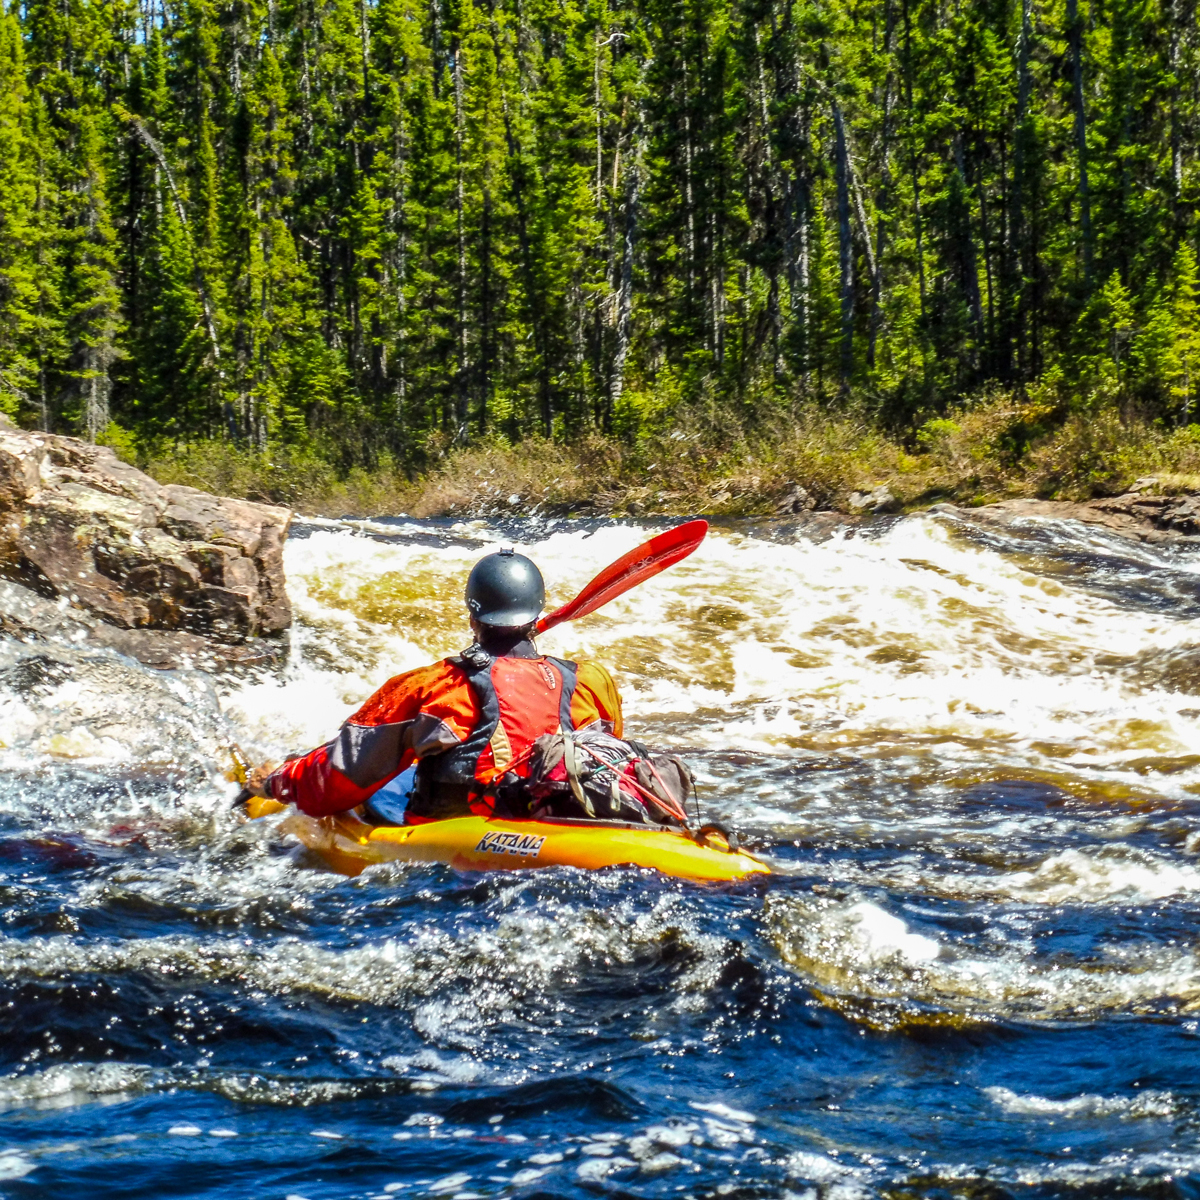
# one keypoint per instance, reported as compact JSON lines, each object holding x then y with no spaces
{"x":596,"y":699}
{"x":385,"y":736}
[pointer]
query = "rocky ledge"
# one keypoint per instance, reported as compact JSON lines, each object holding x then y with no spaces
{"x":1140,"y":514}
{"x":94,"y":550}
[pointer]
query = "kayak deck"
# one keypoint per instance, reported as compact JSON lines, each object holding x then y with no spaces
{"x":350,"y":845}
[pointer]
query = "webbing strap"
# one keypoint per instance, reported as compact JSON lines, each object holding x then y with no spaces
{"x":571,"y":766}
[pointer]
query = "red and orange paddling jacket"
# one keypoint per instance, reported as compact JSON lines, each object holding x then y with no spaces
{"x":467,"y":721}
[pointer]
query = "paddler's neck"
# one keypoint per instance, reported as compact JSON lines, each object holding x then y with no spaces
{"x":506,"y":643}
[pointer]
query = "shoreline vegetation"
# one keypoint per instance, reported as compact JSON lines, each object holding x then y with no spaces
{"x":613,"y":256}
{"x":1001,"y":447}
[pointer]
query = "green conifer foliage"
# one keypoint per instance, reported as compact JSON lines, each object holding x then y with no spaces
{"x":1182,"y":359}
{"x":18,"y":232}
{"x":91,"y":295}
{"x":388,"y":225}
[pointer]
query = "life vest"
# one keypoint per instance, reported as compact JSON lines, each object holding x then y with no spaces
{"x":519,"y":699}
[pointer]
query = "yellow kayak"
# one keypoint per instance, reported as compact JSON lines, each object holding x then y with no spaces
{"x":350,"y":845}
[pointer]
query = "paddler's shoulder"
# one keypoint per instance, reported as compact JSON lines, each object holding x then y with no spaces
{"x":596,"y":696}
{"x":594,"y":675}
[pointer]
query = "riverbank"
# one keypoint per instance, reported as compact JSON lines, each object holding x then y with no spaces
{"x":996,"y":450}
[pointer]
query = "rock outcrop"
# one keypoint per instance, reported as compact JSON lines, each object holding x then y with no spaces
{"x":796,"y":500}
{"x":1159,"y":520}
{"x":163,"y":573}
{"x":879,"y":501}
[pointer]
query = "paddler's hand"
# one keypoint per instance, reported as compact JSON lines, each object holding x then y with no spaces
{"x":256,"y":781}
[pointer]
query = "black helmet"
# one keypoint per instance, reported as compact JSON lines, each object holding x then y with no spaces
{"x":506,"y":590}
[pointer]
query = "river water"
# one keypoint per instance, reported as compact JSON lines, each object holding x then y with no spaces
{"x":973,"y":756}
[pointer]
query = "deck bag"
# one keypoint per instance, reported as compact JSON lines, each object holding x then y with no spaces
{"x":588,"y":774}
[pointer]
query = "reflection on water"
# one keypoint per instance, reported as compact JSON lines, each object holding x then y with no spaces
{"x":973,"y":753}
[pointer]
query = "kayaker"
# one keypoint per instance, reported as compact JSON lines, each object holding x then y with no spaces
{"x":464,"y":722}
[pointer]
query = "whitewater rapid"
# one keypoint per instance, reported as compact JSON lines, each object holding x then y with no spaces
{"x":972,"y":753}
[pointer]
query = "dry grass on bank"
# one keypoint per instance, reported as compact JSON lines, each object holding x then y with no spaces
{"x":998,"y":447}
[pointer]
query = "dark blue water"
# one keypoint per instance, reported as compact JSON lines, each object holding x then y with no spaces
{"x":974,"y":976}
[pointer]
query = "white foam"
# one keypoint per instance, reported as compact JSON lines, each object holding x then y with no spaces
{"x":1128,"y":1169}
{"x":15,"y":1165}
{"x":661,"y":1162}
{"x":825,"y":940}
{"x":422,"y":1118}
{"x":533,"y":943}
{"x":719,"y":1109}
{"x":593,"y":1170}
{"x":450,"y":1183}
{"x":529,"y":1175}
{"x":1091,"y":875}
{"x":879,"y":937}
{"x":1081,"y":876}
{"x":92,"y":707}
{"x":1149,"y":1104}
{"x":65,"y":1085}
{"x":724,"y":1135}
{"x":427,"y":1066}
{"x":818,"y":1168}
{"x":677,"y":1135}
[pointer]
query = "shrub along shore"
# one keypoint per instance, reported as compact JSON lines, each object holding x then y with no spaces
{"x":1000,"y":446}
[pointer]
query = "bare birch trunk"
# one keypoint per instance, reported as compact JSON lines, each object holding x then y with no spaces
{"x":689,"y":205}
{"x":845,"y":245}
{"x":969,"y":265}
{"x":95,"y":412}
{"x":1176,"y":138}
{"x":625,"y":289}
{"x":210,"y":324}
{"x":1075,"y":35}
{"x":1017,"y":269}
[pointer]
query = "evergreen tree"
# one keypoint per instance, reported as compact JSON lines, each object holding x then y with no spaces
{"x":1182,"y":359}
{"x":91,"y":296}
{"x":367,"y":224}
{"x":18,"y":233}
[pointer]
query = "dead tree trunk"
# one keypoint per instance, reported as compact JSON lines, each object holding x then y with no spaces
{"x":1075,"y":35}
{"x":845,"y":244}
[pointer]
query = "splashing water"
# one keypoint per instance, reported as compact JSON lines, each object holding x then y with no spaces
{"x":973,"y":756}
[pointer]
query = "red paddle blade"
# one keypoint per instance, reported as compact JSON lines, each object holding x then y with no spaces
{"x":629,"y":570}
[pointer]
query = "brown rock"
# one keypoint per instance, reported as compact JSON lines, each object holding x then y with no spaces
{"x":796,"y":500}
{"x":1159,"y":520}
{"x":32,"y":618}
{"x":80,"y":526}
{"x":1181,"y":514}
{"x":878,"y":501}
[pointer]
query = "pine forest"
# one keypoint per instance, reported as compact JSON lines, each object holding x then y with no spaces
{"x":376,"y":226}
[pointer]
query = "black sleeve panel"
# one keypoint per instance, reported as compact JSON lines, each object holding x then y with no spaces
{"x":368,"y":754}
